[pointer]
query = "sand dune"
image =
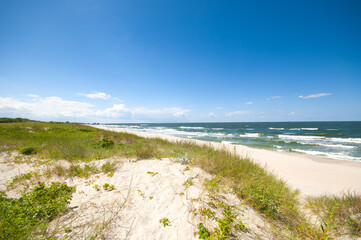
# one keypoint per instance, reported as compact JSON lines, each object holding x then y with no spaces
{"x":311,"y":175}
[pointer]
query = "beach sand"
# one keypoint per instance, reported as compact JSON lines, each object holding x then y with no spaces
{"x":145,"y":192}
{"x":311,"y":175}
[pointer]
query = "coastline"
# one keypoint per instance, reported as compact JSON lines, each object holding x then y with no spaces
{"x":311,"y":175}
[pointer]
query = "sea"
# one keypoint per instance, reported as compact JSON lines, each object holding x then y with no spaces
{"x":336,"y":140}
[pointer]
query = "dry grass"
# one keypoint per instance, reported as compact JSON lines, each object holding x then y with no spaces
{"x":346,"y":213}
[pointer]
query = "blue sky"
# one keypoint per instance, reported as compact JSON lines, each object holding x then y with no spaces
{"x":180,"y":61}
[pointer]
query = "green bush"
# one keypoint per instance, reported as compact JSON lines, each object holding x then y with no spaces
{"x":28,"y":150}
{"x":105,"y":143}
{"x":23,"y":218}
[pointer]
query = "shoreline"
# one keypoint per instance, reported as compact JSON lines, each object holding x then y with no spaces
{"x":312,"y":175}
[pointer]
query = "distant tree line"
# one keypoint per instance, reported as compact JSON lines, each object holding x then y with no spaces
{"x":12,"y":120}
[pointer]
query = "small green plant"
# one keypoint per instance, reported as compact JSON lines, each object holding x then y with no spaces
{"x":240,"y":226}
{"x":28,"y":150}
{"x":207,"y":212}
{"x":110,"y":174}
{"x":186,"y":168}
{"x":96,"y":187}
{"x":212,"y":184}
{"x":152,"y":173}
{"x":108,"y":187}
{"x":188,"y":183}
{"x":211,"y":204}
{"x":203,"y":232}
{"x":108,"y":167}
{"x":77,"y":170}
{"x":140,"y":193}
{"x":226,"y":224}
{"x":165,"y":221}
{"x":22,"y":218}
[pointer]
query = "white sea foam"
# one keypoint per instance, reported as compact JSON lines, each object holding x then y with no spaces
{"x":297,"y":137}
{"x":329,"y":155}
{"x":276,"y":128}
{"x":171,"y":131}
{"x":310,"y":129}
{"x":335,"y":145}
{"x":127,"y":126}
{"x":346,"y":140}
{"x":248,"y":135}
{"x":175,"y":132}
{"x":217,"y":128}
{"x":227,"y":142}
{"x":295,"y":129}
{"x":183,"y":127}
{"x":332,"y":129}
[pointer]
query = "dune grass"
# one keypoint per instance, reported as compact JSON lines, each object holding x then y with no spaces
{"x":339,"y":215}
{"x":258,"y":188}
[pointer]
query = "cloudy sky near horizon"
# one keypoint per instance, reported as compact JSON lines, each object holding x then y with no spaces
{"x":180,"y":61}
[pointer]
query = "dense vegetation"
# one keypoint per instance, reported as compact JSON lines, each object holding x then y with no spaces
{"x":12,"y":120}
{"x":26,"y":217}
{"x":258,"y":188}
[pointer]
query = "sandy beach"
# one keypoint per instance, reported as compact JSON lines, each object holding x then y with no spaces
{"x":311,"y":175}
{"x":145,"y":192}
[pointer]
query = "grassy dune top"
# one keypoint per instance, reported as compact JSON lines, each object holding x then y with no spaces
{"x":251,"y":183}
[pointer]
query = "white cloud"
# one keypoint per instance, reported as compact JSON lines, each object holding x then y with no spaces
{"x":249,"y":103}
{"x":45,"y":107}
{"x":238,"y":113}
{"x":212,"y":114}
{"x":315,"y":95}
{"x":273,"y":97}
{"x":54,"y":108}
{"x":33,"y":95}
{"x":96,"y":95}
{"x":116,"y":111}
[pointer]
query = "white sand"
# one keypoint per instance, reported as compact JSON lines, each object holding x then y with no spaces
{"x":311,"y":175}
{"x":140,"y":199}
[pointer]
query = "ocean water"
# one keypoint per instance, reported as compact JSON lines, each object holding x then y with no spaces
{"x":337,"y":140}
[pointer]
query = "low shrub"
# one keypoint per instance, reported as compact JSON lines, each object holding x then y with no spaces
{"x":105,"y":143}
{"x":28,"y":150}
{"x":24,"y":218}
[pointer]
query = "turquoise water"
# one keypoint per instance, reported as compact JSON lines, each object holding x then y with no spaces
{"x":337,"y":140}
